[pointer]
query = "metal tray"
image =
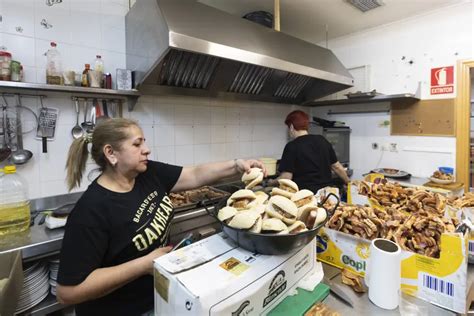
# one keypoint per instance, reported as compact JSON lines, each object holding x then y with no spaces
{"x":392,"y":173}
{"x":203,"y":202}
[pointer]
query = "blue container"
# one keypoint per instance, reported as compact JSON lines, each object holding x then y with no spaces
{"x":447,"y":170}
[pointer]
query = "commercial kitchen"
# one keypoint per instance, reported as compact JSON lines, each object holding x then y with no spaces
{"x":213,"y":83}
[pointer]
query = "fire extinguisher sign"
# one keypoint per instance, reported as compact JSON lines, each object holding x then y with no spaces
{"x":442,"y":80}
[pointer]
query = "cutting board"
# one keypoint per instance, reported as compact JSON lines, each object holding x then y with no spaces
{"x":450,"y":186}
{"x":297,"y":305}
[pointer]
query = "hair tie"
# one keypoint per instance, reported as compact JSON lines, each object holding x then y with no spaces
{"x":87,"y":137}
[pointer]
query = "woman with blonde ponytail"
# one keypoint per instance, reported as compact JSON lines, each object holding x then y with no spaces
{"x":121,"y":222}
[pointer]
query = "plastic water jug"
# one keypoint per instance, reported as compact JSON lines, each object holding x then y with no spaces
{"x":14,"y":204}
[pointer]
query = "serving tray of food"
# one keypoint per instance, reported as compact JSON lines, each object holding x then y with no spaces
{"x":392,"y":173}
{"x":189,"y":199}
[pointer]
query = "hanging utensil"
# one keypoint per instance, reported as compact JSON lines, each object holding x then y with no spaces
{"x":20,"y":156}
{"x":44,"y":139}
{"x":5,"y":151}
{"x":77,"y":131}
{"x":87,"y":125}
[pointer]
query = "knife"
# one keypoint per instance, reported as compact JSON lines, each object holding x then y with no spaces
{"x":338,"y":292}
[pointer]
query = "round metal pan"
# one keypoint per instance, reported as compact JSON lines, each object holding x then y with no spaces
{"x":271,"y":244}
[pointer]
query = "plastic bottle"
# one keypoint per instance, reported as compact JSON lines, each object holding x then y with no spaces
{"x":85,"y":76}
{"x":54,"y":71}
{"x":99,"y":69}
{"x":14,"y":204}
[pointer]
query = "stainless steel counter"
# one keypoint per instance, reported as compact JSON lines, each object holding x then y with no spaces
{"x":363,"y":306}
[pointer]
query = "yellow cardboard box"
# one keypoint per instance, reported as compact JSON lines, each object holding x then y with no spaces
{"x":442,"y":281}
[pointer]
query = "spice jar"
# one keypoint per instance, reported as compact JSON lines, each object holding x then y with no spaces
{"x":5,"y":64}
{"x":15,"y":71}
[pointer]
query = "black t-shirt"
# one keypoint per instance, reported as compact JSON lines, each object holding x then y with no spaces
{"x":107,"y":228}
{"x":309,"y":159}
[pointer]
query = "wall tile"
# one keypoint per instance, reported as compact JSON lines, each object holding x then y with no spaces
{"x":202,"y":134}
{"x":143,"y":113}
{"x":164,"y":135}
{"x":183,"y":114}
{"x":21,"y":48}
{"x":184,"y":134}
{"x":202,"y":153}
{"x":232,"y":116}
{"x":17,"y":14}
{"x":245,"y":133}
{"x":85,"y":33}
{"x":163,"y":114}
{"x":165,"y":154}
{"x":232,"y":150}
{"x":218,"y":134}
{"x":113,"y":39}
{"x":202,"y":115}
{"x":246,"y":149}
{"x":218,"y":152}
{"x":85,"y":6}
{"x":57,"y":19}
{"x":184,"y":155}
{"x":218,"y":116}
{"x":232,"y":133}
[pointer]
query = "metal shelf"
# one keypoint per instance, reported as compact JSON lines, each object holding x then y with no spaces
{"x":48,"y":305}
{"x":130,"y":95}
{"x":407,"y":97}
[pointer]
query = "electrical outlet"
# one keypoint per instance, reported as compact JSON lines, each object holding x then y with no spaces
{"x":393,"y":147}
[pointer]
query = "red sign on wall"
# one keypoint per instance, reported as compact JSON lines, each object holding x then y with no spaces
{"x":442,"y":80}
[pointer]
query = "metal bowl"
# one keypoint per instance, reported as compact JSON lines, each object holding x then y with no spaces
{"x":271,"y":244}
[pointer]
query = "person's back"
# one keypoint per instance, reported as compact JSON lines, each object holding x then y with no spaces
{"x":309,"y":158}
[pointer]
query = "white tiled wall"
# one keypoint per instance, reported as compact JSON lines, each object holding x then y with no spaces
{"x":178,"y":130}
{"x":81,"y":28}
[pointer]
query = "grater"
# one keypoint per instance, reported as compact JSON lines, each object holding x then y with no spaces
{"x":47,"y":120}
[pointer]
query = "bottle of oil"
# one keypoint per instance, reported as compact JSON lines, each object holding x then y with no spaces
{"x":14,"y":204}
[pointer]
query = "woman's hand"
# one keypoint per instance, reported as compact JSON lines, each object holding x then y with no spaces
{"x":158,"y":252}
{"x":245,"y":165}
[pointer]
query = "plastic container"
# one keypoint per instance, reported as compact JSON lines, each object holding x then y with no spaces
{"x":15,"y":71}
{"x":54,"y":68}
{"x":14,"y":204}
{"x":5,"y":65}
{"x":270,"y":165}
{"x":447,"y":170}
{"x":99,"y":70}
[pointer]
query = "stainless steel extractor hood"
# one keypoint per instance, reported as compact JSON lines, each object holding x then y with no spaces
{"x":186,"y":47}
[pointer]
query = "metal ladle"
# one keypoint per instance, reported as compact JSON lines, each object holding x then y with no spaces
{"x":77,"y":131}
{"x":20,"y":156}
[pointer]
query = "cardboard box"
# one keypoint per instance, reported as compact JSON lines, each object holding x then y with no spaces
{"x":11,"y":281}
{"x":215,"y":277}
{"x":442,"y":281}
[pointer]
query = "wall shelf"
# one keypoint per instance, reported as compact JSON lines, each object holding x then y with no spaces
{"x":130,"y":95}
{"x":406,"y":97}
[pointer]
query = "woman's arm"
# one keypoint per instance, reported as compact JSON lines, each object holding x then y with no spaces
{"x":339,"y":170}
{"x":194,"y":177}
{"x":103,"y":281}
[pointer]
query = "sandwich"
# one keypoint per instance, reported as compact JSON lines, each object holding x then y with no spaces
{"x":257,"y":227}
{"x":315,"y":218}
{"x":261,"y":199}
{"x":282,"y":208}
{"x":286,"y":188}
{"x":304,"y":211}
{"x":226,"y":214}
{"x":297,"y":227}
{"x":241,"y":199}
{"x":252,"y":178}
{"x":274,"y":225}
{"x":303,"y":197}
{"x":244,"y":219}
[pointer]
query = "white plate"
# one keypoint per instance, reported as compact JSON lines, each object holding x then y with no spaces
{"x":440,"y":181}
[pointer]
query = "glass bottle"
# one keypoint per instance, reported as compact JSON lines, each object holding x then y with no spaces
{"x":85,"y":76}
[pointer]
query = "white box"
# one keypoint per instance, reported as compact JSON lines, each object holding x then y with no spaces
{"x":215,"y":277}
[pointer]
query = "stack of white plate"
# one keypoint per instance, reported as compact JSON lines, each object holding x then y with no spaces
{"x":53,"y":274}
{"x":35,"y":286}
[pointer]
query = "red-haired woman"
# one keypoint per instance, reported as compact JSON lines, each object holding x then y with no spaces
{"x":308,"y":159}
